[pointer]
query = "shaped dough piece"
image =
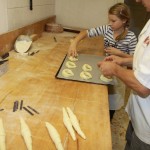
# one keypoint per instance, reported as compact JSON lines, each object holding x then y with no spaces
{"x":2,"y":136}
{"x":25,"y":131}
{"x":86,"y":67}
{"x":72,"y":58}
{"x":68,"y":124}
{"x":85,"y":75}
{"x":67,"y":73}
{"x":54,"y":135}
{"x":75,"y":123}
{"x":105,"y":79}
{"x":70,"y":64}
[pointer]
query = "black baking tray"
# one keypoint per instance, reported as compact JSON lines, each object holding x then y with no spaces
{"x":92,"y":60}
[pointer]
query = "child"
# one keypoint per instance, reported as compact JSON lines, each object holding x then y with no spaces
{"x":118,"y":40}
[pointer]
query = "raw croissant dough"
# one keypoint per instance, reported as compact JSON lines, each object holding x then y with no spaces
{"x":68,"y":124}
{"x":73,"y":58}
{"x":85,"y":75}
{"x":86,"y":67}
{"x":54,"y":135}
{"x":2,"y":136}
{"x":25,"y":131}
{"x":75,"y":123}
{"x":67,"y":73}
{"x":70,"y":64}
{"x":105,"y":79}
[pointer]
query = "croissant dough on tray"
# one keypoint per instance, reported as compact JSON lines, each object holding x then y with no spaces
{"x":67,"y":73}
{"x":86,"y":67}
{"x":105,"y":79}
{"x":70,"y":64}
{"x":85,"y":75}
{"x":2,"y":136}
{"x":73,"y":58}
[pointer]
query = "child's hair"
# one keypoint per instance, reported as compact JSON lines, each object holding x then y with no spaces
{"x":122,"y":11}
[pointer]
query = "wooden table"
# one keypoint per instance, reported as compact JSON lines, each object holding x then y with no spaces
{"x":32,"y":79}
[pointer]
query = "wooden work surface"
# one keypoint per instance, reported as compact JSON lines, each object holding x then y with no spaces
{"x":32,"y":79}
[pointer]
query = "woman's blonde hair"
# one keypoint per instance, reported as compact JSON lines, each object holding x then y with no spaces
{"x":122,"y":11}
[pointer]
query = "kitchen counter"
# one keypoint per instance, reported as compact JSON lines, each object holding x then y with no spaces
{"x":32,"y":79}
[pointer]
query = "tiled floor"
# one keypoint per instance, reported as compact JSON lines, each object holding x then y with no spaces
{"x":119,"y":125}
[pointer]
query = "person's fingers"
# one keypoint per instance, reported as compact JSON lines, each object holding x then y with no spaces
{"x":69,"y":54}
{"x":108,"y":48}
{"x":101,"y":69}
{"x":108,"y":51}
{"x":99,"y":64}
{"x":108,"y":59}
{"x":75,"y":54}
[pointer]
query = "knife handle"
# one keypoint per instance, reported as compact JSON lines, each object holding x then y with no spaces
{"x":5,"y":55}
{"x":31,"y":5}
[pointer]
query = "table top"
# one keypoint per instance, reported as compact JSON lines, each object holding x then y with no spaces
{"x":32,"y":79}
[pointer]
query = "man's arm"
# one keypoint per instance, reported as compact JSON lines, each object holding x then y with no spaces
{"x":126,"y":75}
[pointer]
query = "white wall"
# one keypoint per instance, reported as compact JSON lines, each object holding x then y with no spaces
{"x":20,"y":15}
{"x":75,"y":13}
{"x":83,"y":13}
{"x":16,"y":13}
{"x":3,"y":18}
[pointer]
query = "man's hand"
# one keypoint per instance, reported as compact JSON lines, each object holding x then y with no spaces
{"x":107,"y":68}
{"x":115,"y":59}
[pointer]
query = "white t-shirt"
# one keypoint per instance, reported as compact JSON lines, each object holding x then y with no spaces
{"x":138,"y":108}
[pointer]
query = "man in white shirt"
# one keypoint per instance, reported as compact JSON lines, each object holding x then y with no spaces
{"x":138,"y":79}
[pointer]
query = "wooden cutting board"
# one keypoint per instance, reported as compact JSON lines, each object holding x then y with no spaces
{"x":32,"y":79}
